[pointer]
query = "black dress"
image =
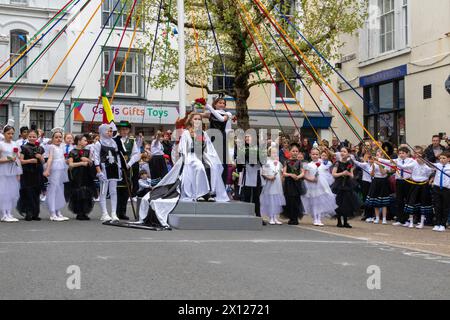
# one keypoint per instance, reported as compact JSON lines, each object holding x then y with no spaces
{"x":344,"y":187}
{"x":30,"y":182}
{"x":81,"y":185}
{"x":293,"y":190}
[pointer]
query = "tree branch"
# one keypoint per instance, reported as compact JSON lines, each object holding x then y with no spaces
{"x":208,"y":90}
{"x":257,"y":83}
{"x":171,"y":18}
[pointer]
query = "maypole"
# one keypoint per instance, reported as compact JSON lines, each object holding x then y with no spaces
{"x":181,"y":59}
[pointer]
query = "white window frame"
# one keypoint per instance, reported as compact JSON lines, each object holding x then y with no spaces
{"x":370,"y":36}
{"x":21,"y":65}
{"x":134,"y":74}
{"x":384,"y":17}
{"x":298,"y":93}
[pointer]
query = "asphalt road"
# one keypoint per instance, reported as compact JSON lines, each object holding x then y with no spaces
{"x":280,"y":262}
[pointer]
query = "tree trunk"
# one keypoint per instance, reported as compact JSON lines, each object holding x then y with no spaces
{"x":242,"y":96}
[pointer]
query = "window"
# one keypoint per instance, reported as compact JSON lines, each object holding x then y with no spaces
{"x":387,"y":25}
{"x":132,"y":79}
{"x":108,"y":6}
{"x":19,"y":2}
{"x":222,"y":79}
{"x":18,"y":46}
{"x":283,"y":90}
{"x":427,"y":92}
{"x":3,"y":115}
{"x":384,"y":115}
{"x":42,"y":120}
{"x":405,"y":21}
{"x":386,"y":28}
{"x":287,"y":7}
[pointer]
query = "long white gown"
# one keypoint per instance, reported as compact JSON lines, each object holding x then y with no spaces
{"x":272,"y":195}
{"x":9,"y":172}
{"x":189,"y":169}
{"x":319,"y":200}
{"x":58,"y":176}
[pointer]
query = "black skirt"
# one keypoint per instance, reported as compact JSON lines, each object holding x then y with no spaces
{"x":419,"y":200}
{"x":379,"y":193}
{"x":158,"y":167}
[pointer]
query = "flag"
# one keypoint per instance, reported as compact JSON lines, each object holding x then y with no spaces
{"x":108,"y":115}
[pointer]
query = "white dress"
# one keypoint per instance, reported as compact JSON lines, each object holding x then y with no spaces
{"x":189,"y":169}
{"x":194,"y":181}
{"x":272,"y":195}
{"x":9,"y":172}
{"x":325,"y":170}
{"x":319,"y":200}
{"x":58,"y":176}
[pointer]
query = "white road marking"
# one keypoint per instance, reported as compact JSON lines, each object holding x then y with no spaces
{"x":390,"y":246}
{"x":255,"y":241}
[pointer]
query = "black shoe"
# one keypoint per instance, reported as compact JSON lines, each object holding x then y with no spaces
{"x":124,"y":218}
{"x":264,"y":223}
{"x":28,"y":218}
{"x":36,"y":219}
{"x":79,"y":217}
{"x":347,"y":226}
{"x":293,"y":223}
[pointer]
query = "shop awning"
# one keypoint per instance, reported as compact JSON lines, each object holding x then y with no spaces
{"x":317,"y":122}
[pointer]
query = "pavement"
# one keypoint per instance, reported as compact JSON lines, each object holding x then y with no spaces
{"x":86,"y":260}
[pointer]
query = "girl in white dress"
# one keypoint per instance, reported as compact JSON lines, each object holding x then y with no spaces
{"x":326,"y":167}
{"x":56,"y":171}
{"x":319,"y":201}
{"x":10,"y":171}
{"x":272,"y":196}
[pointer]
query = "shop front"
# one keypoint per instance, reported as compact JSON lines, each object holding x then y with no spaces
{"x":145,"y":118}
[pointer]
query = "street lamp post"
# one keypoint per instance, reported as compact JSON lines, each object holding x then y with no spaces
{"x":181,"y":59}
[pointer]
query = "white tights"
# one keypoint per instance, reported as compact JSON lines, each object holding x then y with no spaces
{"x":112,"y":186}
{"x":317,"y":217}
{"x":6,"y":213}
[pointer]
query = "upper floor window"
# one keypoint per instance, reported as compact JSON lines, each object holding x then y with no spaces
{"x":287,"y":7}
{"x":18,"y":46}
{"x":110,"y":5}
{"x":132,"y":78}
{"x":386,"y":29}
{"x":283,"y":90}
{"x":223,"y":79}
{"x":387,"y":25}
{"x":19,"y":2}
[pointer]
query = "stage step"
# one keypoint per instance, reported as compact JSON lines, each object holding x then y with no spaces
{"x":215,"y":216}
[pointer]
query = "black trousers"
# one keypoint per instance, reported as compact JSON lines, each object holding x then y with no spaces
{"x":29,"y":202}
{"x":402,"y":192}
{"x":441,"y":203}
{"x":251,"y":195}
{"x":122,"y":200}
{"x":368,"y":211}
{"x":293,"y":209}
{"x":135,"y":179}
{"x":123,"y":194}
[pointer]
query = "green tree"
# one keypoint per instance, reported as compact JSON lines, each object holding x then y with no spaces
{"x":321,"y":21}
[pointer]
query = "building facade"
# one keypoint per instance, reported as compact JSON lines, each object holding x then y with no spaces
{"x":147,"y":110}
{"x":398,"y":63}
{"x":24,"y":103}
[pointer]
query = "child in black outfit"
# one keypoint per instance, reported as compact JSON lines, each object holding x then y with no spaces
{"x":343,"y":187}
{"x":81,"y":197}
{"x":30,"y":183}
{"x":293,"y":186}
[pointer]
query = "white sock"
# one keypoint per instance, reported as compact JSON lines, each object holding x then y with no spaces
{"x":422,"y":220}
